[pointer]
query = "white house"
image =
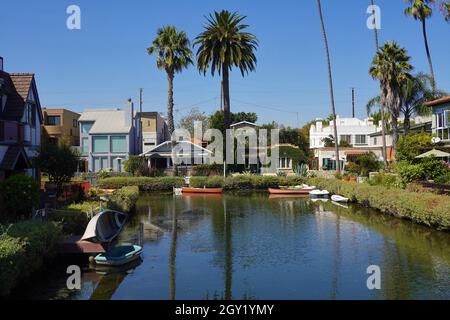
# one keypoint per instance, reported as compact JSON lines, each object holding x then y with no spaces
{"x":109,"y":136}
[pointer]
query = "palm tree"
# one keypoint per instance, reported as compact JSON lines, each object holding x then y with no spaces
{"x":172,"y":48}
{"x":330,"y":80}
{"x":224,"y":45}
{"x":421,"y":10}
{"x":383,"y":121}
{"x":391,"y":66}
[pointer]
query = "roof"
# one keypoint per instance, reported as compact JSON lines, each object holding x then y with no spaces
{"x":166,"y":147}
{"x":17,"y":88}
{"x":12,"y":156}
{"x":244,"y":122}
{"x":106,"y":121}
{"x":437,"y":101}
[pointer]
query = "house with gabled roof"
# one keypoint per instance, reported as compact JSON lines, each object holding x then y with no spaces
{"x":20,"y":123}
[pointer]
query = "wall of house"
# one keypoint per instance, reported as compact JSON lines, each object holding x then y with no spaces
{"x":67,"y":128}
{"x":441,"y":122}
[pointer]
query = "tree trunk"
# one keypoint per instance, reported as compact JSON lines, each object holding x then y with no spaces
{"x":395,"y":133}
{"x":226,"y":96}
{"x":406,"y":123}
{"x":170,"y":124}
{"x":430,"y":63}
{"x":330,"y":80}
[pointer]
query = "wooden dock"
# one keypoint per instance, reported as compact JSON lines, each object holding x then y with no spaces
{"x":74,"y":245}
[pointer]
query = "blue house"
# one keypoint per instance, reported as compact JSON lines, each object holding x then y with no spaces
{"x":108,"y":137}
{"x":441,"y":118}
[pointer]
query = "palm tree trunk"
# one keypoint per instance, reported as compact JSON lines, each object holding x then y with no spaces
{"x":383,"y":121}
{"x":406,"y":123}
{"x":226,"y":96}
{"x":330,"y":80}
{"x":430,"y":63}
{"x":170,"y":124}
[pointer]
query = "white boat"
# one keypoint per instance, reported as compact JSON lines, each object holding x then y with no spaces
{"x":178,"y":191}
{"x":307,"y":187}
{"x":105,"y":226}
{"x":319,"y":193}
{"x":338,"y":198}
{"x":119,"y":255}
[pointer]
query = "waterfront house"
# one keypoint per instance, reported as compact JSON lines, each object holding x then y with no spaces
{"x":20,"y":123}
{"x":441,"y":118}
{"x":61,"y":125}
{"x":108,"y":137}
{"x":154,"y":130}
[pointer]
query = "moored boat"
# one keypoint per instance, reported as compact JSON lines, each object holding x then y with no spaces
{"x":177,"y":191}
{"x":105,"y":226}
{"x":201,"y":190}
{"x":288,"y":191}
{"x":119,"y":255}
{"x":338,"y":198}
{"x":319,"y":193}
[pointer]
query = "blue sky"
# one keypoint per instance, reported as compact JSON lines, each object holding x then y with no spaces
{"x":106,"y":61}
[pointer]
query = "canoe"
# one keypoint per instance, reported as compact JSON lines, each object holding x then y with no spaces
{"x":338,"y":198}
{"x":288,"y":191}
{"x":319,"y":193}
{"x":119,"y":255}
{"x":201,"y":190}
{"x":105,"y":226}
{"x":287,"y":196}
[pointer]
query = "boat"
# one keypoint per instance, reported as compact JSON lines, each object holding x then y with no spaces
{"x":319,"y":193}
{"x":288,"y":196}
{"x":288,"y":191}
{"x":338,"y":198}
{"x":119,"y":255}
{"x":177,"y":191}
{"x":201,"y":190}
{"x":105,"y":226}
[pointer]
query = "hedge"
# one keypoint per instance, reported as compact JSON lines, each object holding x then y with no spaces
{"x":144,"y":183}
{"x":24,"y":248}
{"x":425,"y":208}
{"x":124,"y":199}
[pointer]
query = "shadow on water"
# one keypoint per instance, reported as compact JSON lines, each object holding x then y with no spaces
{"x":251,"y":246}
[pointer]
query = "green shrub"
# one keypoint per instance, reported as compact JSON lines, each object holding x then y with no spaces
{"x":134,"y":164}
{"x":208,"y":170}
{"x":433,"y":168}
{"x":444,"y":179}
{"x":24,"y":248}
{"x":208,"y":182}
{"x":386,"y":180}
{"x":410,"y":172}
{"x":428,"y":169}
{"x":19,"y":195}
{"x":425,"y":208}
{"x":411,"y":145}
{"x":124,"y":199}
{"x":144,"y":183}
{"x":352,"y":167}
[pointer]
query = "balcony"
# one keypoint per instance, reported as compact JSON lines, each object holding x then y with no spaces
{"x":11,"y":132}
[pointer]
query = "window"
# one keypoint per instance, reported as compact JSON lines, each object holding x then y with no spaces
{"x":443,"y":125}
{"x":118,"y":144}
{"x":75,"y":123}
{"x":100,"y":144}
{"x":53,"y":120}
{"x":285,"y":163}
{"x":347,"y":138}
{"x":86,"y":127}
{"x":84,"y":146}
{"x":149,"y":143}
{"x":375,"y":142}
{"x":447,"y":118}
{"x":360,"y":139}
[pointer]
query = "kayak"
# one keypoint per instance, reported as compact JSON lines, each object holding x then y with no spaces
{"x":338,"y":198}
{"x":288,"y":191}
{"x":201,"y":190}
{"x":119,"y":255}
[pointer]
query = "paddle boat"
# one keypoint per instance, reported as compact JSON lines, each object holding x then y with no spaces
{"x":119,"y":255}
{"x":105,"y":226}
{"x":319,"y":193}
{"x":338,"y":198}
{"x":201,"y":190}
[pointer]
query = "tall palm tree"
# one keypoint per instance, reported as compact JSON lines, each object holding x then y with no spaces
{"x":421,"y":10}
{"x":330,"y":80}
{"x":383,"y":118}
{"x":224,"y":45}
{"x":391,"y":67}
{"x":173,"y":51}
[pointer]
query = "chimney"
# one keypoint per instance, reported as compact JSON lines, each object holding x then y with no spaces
{"x":129,"y":113}
{"x":353,"y":102}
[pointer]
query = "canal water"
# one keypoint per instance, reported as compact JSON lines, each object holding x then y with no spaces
{"x":253,"y":246}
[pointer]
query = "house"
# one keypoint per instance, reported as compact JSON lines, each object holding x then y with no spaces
{"x":441,"y":118}
{"x":20,"y":123}
{"x":325,"y":158}
{"x":181,"y":154}
{"x":108,"y":137}
{"x":61,"y":125}
{"x":154,"y":130}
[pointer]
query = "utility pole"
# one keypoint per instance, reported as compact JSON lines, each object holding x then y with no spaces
{"x":353,"y":102}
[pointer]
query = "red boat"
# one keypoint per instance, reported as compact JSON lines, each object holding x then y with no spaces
{"x":201,"y":190}
{"x":289,"y":191}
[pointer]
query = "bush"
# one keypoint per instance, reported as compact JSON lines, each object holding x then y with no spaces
{"x":19,"y":194}
{"x":24,"y":248}
{"x":124,"y":199}
{"x":411,"y":145}
{"x":208,"y":170}
{"x":208,"y":182}
{"x":134,"y":164}
{"x":444,"y":179}
{"x":428,"y":169}
{"x":424,"y":208}
{"x":410,"y":172}
{"x":352,"y":167}
{"x":144,"y":183}
{"x":386,"y":180}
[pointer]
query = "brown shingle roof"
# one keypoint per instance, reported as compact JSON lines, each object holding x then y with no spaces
{"x":11,"y":156}
{"x":437,"y":101}
{"x":17,"y":86}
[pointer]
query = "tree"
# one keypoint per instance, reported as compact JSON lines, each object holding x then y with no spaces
{"x":19,"y":194}
{"x":58,"y":161}
{"x":172,"y":48}
{"x":224,"y":45}
{"x":421,"y":10}
{"x":134,"y":164}
{"x":216,"y":119}
{"x":413,"y":144}
{"x":391,"y":66}
{"x":330,"y":80}
{"x":187,"y":122}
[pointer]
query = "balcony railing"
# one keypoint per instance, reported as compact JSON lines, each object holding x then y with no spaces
{"x":11,"y":132}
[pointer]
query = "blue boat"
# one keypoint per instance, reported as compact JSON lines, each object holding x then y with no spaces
{"x":119,"y":255}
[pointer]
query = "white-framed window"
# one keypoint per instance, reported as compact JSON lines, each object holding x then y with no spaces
{"x":285,"y":163}
{"x":346,"y":137}
{"x":443,"y":125}
{"x":360,"y":139}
